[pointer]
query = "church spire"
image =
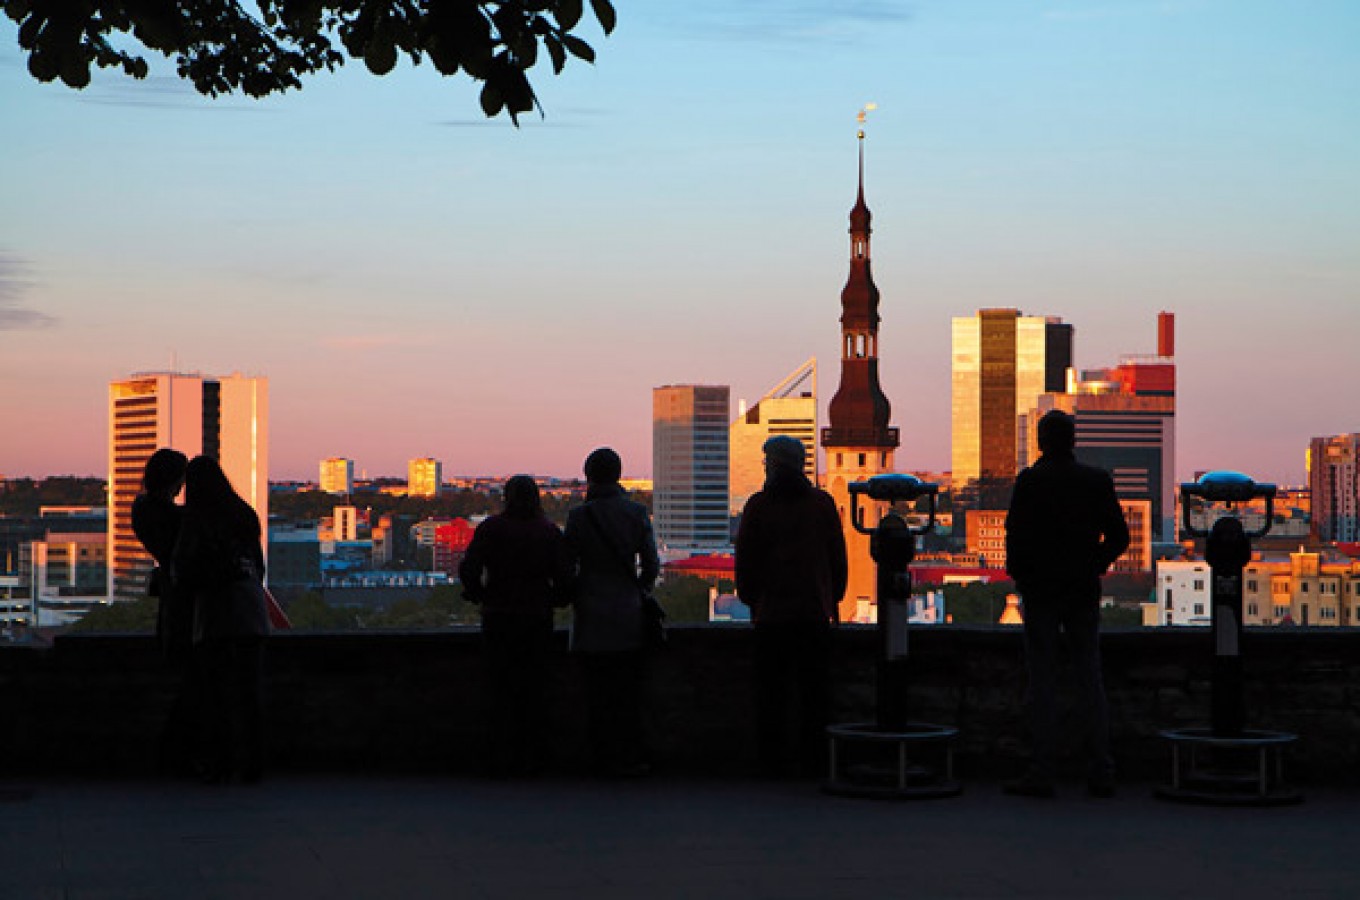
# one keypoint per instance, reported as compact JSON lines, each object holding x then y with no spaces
{"x":859,"y":412}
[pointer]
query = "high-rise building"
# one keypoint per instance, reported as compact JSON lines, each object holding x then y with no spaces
{"x":345,"y":523}
{"x":789,"y":408}
{"x":689,"y":468}
{"x":1334,"y":481}
{"x":424,"y":476}
{"x":858,"y":440}
{"x":1126,"y":425}
{"x":1003,"y":361}
{"x":223,"y":417}
{"x":337,"y":475}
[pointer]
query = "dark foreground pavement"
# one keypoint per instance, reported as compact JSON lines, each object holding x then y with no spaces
{"x":336,"y":837}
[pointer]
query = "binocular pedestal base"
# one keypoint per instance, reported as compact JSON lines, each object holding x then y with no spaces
{"x":914,"y":763}
{"x":1246,"y":769}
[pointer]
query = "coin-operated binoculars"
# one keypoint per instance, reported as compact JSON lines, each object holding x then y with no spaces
{"x":892,"y":545}
{"x":1227,"y":763}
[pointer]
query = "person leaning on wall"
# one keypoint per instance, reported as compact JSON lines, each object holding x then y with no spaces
{"x":517,"y":570}
{"x":219,"y":563}
{"x":156,"y":520}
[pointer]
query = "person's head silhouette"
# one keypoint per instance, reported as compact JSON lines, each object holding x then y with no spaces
{"x":1057,"y":432}
{"x":603,"y":466}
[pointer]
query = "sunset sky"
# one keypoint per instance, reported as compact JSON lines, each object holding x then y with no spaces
{"x":416,"y":280}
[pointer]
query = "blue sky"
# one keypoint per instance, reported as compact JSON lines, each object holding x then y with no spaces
{"x":417,"y":280}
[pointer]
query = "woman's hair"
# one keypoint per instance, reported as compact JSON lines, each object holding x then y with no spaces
{"x":521,"y":498}
{"x":164,"y":471}
{"x":207,"y":490}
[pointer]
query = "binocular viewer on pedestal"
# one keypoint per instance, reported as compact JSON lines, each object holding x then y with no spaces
{"x":1227,"y":763}
{"x":892,"y":545}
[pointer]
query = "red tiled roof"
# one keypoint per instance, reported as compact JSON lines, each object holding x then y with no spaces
{"x":715,"y":564}
{"x":938,"y":574}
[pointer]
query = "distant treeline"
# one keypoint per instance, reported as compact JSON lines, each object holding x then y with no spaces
{"x":311,"y":505}
{"x":23,"y":496}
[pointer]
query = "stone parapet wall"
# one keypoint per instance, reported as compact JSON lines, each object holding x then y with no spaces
{"x":412,"y":702}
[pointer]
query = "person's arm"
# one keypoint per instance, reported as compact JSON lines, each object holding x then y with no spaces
{"x":839,"y":558}
{"x":1020,"y":531}
{"x":473,"y":566}
{"x":648,"y":557}
{"x":187,"y":558}
{"x":747,"y":562}
{"x":564,"y":570}
{"x":1113,"y":528}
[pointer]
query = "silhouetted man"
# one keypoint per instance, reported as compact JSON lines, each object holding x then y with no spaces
{"x":1063,"y":531}
{"x":791,"y":570}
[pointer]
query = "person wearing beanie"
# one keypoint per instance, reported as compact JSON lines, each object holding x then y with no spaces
{"x":791,"y":570}
{"x":610,"y":539}
{"x":1063,"y":531}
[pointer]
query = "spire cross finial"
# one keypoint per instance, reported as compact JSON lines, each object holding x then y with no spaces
{"x":861,"y":165}
{"x":860,"y":117}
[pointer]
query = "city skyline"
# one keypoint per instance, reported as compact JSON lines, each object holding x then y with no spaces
{"x":374,"y":247}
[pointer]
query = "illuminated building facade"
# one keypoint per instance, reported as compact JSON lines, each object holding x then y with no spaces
{"x":1126,"y":425}
{"x":690,"y":468}
{"x":1307,"y":588}
{"x":1002,"y":362}
{"x":1334,"y":482}
{"x":424,"y":476}
{"x":789,"y":408}
{"x":858,"y":440}
{"x":337,"y":475}
{"x":223,"y":417}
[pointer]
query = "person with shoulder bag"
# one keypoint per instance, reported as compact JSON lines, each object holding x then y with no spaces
{"x":219,"y":563}
{"x":611,"y":542}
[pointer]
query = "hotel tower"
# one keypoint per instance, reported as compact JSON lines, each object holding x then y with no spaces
{"x":226,"y":418}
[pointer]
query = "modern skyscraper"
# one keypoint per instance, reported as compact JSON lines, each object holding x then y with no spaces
{"x":337,"y":475}
{"x":1002,"y":362}
{"x":1334,"y":481}
{"x":689,"y":468}
{"x":788,"y":408}
{"x":424,"y":476}
{"x":1126,"y":424}
{"x":859,"y":442}
{"x":223,"y":417}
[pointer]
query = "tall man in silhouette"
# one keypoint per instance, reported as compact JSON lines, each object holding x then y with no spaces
{"x":791,"y":570}
{"x":1063,"y":531}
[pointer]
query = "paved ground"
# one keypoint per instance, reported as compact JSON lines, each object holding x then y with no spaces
{"x":333,"y":837}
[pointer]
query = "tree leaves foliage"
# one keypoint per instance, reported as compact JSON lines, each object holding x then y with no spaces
{"x":261,"y":47}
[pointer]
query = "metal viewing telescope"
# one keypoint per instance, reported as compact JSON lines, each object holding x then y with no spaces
{"x":892,"y":545}
{"x":1227,"y":763}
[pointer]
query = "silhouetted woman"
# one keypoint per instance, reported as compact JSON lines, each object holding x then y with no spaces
{"x":220,"y":565}
{"x":611,"y":541}
{"x":156,"y":521}
{"x":517,"y":569}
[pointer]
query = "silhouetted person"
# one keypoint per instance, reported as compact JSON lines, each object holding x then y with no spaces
{"x":615,"y":556}
{"x":220,"y":564}
{"x":156,"y":521}
{"x":1063,"y":531}
{"x":517,"y":569}
{"x":791,"y":571}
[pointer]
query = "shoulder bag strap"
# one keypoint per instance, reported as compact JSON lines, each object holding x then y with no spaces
{"x":621,"y":558}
